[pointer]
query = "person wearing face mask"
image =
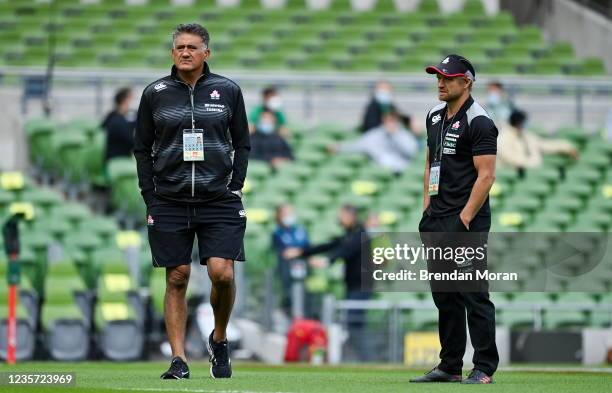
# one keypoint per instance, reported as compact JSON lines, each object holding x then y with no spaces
{"x":498,"y":104}
{"x":389,"y":145}
{"x":288,"y":234}
{"x":272,"y":102}
{"x":266,"y":143}
{"x":381,"y":103}
{"x":357,"y":280}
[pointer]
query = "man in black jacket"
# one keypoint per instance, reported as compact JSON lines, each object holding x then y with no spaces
{"x":191,"y":147}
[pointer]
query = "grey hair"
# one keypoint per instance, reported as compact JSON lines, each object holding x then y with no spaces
{"x":191,"y":28}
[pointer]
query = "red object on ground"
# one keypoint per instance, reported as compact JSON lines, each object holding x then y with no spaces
{"x":303,"y":338}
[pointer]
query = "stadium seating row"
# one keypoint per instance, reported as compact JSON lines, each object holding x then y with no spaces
{"x":78,"y":290}
{"x":113,"y":34}
{"x":543,"y":201}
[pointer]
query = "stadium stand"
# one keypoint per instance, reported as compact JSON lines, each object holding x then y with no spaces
{"x":75,"y":286}
{"x":317,"y":183}
{"x":113,"y":34}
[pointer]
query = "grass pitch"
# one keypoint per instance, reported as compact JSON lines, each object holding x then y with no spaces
{"x":248,"y":378}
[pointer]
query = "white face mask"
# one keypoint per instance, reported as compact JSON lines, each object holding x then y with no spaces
{"x":265,"y":127}
{"x":289,"y":221}
{"x":494,"y":98}
{"x":275,"y":103}
{"x":383,"y":97}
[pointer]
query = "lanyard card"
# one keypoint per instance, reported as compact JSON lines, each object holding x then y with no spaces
{"x":193,"y":144}
{"x":434,"y":178}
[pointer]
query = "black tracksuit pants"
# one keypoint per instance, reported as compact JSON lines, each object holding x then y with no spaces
{"x":452,"y":308}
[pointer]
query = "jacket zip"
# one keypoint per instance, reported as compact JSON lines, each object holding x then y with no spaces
{"x":191,"y":89}
{"x":191,"y":92}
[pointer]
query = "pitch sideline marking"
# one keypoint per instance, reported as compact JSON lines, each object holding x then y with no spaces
{"x":586,"y":370}
{"x":190,"y":390}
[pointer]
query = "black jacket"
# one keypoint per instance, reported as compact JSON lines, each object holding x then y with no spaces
{"x":268,"y":147}
{"x":349,"y":247}
{"x":373,"y":115}
{"x":119,"y":135}
{"x":165,"y":111}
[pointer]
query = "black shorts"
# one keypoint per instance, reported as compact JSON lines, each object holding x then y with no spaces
{"x":219,"y":226}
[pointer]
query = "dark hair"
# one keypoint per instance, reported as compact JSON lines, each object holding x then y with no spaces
{"x":121,"y":95}
{"x":279,"y":207}
{"x":497,"y":84}
{"x":351,"y":209}
{"x":191,"y":28}
{"x":517,"y":118}
{"x":270,"y":90}
{"x":391,"y":111}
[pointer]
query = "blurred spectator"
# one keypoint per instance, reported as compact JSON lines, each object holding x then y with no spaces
{"x":119,"y":130}
{"x":347,"y":247}
{"x":522,"y":149}
{"x":288,"y":234}
{"x":372,"y":223}
{"x":267,"y":144}
{"x":271,"y":101}
{"x":498,"y":103}
{"x":390,"y":145}
{"x":381,"y":103}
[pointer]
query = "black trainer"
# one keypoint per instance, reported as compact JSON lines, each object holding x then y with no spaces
{"x":220,"y":362}
{"x":478,"y":377}
{"x":178,"y":370}
{"x":437,"y":375}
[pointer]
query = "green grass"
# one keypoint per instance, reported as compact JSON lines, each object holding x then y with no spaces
{"x":143,"y":376}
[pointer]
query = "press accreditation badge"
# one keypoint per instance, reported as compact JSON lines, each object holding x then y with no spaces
{"x":193,"y":144}
{"x":434,"y":178}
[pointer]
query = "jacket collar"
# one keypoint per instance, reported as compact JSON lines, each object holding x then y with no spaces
{"x":466,"y":105}
{"x":205,"y":73}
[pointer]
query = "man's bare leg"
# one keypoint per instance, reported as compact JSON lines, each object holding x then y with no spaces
{"x":222,"y":294}
{"x":175,"y":308}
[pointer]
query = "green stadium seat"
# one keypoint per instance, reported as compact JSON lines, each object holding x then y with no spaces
{"x":580,"y":190}
{"x":259,"y":170}
{"x":65,"y":323}
{"x":516,"y":319}
{"x":592,"y":67}
{"x":104,"y":227}
{"x":522,"y":203}
{"x":564,"y":203}
{"x":45,"y":198}
{"x":555,"y":318}
{"x":121,"y":336}
{"x":429,"y":7}
{"x":474,"y":8}
{"x":39,"y":133}
{"x":534,"y":188}
{"x":72,"y":212}
{"x":56,"y":228}
{"x":68,"y":146}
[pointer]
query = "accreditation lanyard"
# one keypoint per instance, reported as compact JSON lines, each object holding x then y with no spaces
{"x":193,"y":140}
{"x":436,"y":165}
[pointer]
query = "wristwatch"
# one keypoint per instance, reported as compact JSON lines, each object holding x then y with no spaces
{"x":238,"y":193}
